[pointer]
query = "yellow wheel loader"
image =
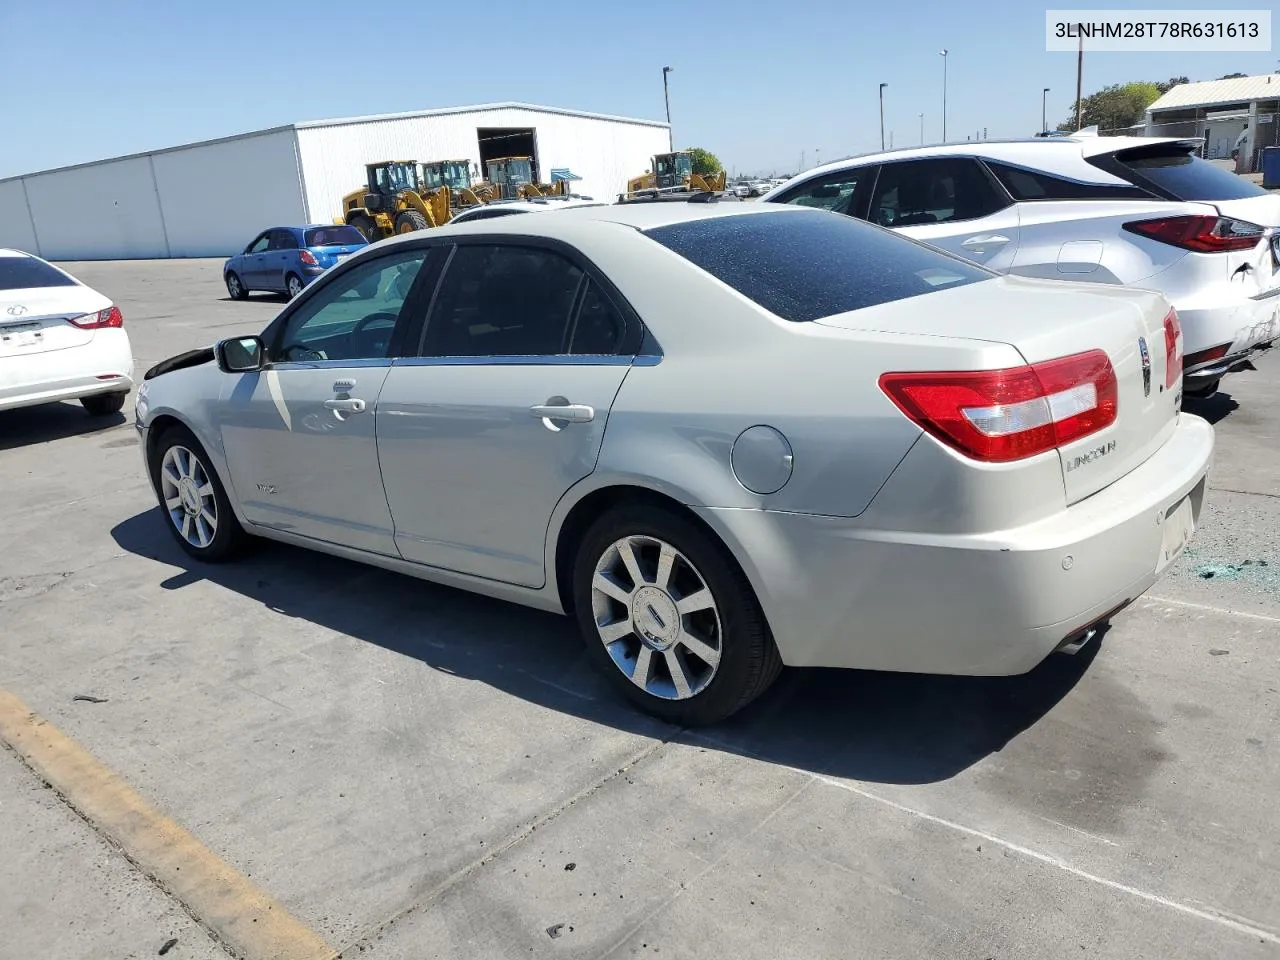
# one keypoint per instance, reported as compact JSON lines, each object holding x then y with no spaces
{"x":393,"y":201}
{"x":674,"y":172}
{"x":454,"y":176}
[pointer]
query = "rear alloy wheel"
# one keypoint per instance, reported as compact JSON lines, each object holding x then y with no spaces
{"x":236,"y":288}
{"x":410,"y":220}
{"x":293,"y":285}
{"x":192,"y":497}
{"x":103,"y":404}
{"x":670,"y":618}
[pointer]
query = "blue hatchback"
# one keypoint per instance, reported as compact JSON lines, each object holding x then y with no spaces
{"x":286,"y":259}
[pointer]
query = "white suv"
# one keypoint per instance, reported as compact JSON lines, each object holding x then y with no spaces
{"x":1145,"y":212}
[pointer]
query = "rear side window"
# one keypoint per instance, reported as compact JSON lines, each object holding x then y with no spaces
{"x":1181,"y":175}
{"x":1024,"y":185}
{"x":836,"y":192}
{"x":336,"y":236}
{"x":21,"y":273}
{"x":913,"y":193}
{"x":803,"y":266}
{"x":283,"y":240}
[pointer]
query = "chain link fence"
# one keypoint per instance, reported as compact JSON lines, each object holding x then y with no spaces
{"x":1219,"y":134}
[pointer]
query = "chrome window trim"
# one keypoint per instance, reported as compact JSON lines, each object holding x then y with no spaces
{"x":549,"y":360}
{"x":329,"y":364}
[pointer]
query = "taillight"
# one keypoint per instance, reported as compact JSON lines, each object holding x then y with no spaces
{"x":307,"y":257}
{"x":1172,"y":348}
{"x":111,"y":317}
{"x":1202,"y":234}
{"x":1010,"y":414}
{"x":1207,"y":356}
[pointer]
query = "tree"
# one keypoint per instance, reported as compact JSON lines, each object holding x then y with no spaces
{"x":704,"y":161}
{"x":1116,"y":106}
{"x":1233,"y":76}
{"x":1170,"y":84}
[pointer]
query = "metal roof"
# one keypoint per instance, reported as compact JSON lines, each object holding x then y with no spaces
{"x":478,"y":108}
{"x":1209,"y":92}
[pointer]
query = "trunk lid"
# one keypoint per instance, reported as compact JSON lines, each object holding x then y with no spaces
{"x":1047,"y":319}
{"x":327,"y":256}
{"x":37,"y":320}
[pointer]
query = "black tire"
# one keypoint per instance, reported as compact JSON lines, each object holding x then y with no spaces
{"x":228,"y":539}
{"x":410,"y":220}
{"x":367,"y":226}
{"x":104,"y":404}
{"x":291,"y":281}
{"x":235,"y":286}
{"x":749,"y":660}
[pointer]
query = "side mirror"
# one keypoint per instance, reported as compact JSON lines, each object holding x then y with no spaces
{"x":240,"y":355}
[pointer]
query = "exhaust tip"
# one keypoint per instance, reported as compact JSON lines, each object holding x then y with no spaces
{"x":1077,"y":641}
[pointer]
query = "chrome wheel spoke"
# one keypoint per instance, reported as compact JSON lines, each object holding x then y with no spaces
{"x":170,"y":473}
{"x":666,"y":562}
{"x":202,"y":531}
{"x":613,"y":632}
{"x":699,"y":648}
{"x":173,"y":503}
{"x":627,"y":551}
{"x":677,"y":674}
{"x":186,"y":525}
{"x":643,"y":668}
{"x":698,"y":600}
{"x":207,"y":516}
{"x":205,"y":490}
{"x":610,"y":587}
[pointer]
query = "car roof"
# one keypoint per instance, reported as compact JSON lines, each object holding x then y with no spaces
{"x":10,"y":252}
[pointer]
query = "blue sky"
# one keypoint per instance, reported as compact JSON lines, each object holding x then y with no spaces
{"x":757,"y":88}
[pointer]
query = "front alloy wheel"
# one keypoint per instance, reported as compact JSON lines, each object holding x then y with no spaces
{"x":188,"y":496}
{"x":656,"y":617}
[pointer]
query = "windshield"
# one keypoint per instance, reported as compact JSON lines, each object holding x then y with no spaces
{"x":343,"y":236}
{"x":805,"y":266}
{"x":1185,"y":176}
{"x":684,"y":165}
{"x":397,"y":177}
{"x":25,"y":273}
{"x":457,"y":174}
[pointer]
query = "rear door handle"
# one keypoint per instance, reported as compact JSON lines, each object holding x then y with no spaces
{"x":346,"y":405}
{"x":982,"y":241}
{"x":570,"y":412}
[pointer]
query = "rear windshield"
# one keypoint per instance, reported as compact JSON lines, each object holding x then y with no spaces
{"x":20,"y":273}
{"x":1185,"y":176}
{"x":806,"y":265}
{"x":334,"y":237}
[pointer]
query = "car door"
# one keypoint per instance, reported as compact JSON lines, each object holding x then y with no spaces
{"x":845,"y":191}
{"x":952,"y":203}
{"x":503,"y":410}
{"x":251,"y":263}
{"x":299,"y":435}
{"x":282,"y":252}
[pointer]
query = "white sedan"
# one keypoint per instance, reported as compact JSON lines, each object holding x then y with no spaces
{"x":59,"y":339}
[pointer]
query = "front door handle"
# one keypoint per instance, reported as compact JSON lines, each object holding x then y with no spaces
{"x":985,"y":240}
{"x":346,"y":405}
{"x":565,"y":412}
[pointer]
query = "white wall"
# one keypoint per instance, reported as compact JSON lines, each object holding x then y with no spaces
{"x":217,"y":196}
{"x":104,"y":211}
{"x":605,"y":153}
{"x":16,"y":230}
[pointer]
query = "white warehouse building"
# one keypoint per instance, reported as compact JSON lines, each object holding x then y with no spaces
{"x":209,"y":199}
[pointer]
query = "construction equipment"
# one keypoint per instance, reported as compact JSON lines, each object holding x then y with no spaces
{"x":454,"y":176}
{"x":674,"y":171}
{"x":394,"y":200}
{"x":508,"y":179}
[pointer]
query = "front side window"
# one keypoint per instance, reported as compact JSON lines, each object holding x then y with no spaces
{"x":502,"y":301}
{"x":834,"y":192}
{"x":942,"y":190}
{"x":353,"y":316}
{"x":803,"y":266}
{"x":259,"y":245}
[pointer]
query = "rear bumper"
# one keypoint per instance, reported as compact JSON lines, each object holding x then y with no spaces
{"x":837,"y":594}
{"x":104,"y":365}
{"x":1244,"y":324}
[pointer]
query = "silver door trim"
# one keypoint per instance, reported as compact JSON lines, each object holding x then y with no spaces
{"x":556,"y":360}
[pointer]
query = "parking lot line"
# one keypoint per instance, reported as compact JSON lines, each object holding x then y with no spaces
{"x":1155,"y":601}
{"x":239,"y":914}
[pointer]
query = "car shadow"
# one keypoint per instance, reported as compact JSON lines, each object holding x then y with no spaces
{"x":1214,"y":409}
{"x":27,"y":426}
{"x":888,"y":728}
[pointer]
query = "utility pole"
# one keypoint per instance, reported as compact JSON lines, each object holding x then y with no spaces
{"x":1080,"y":77}
{"x":1044,"y":111}
{"x":922,"y":129}
{"x":944,"y":96}
{"x":666,"y":98}
{"x":882,"y":86}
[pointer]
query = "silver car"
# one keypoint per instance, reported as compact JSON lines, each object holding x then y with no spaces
{"x":724,"y":438}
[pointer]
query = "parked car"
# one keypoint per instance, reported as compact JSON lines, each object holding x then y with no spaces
{"x":59,"y":339}
{"x":758,"y":188}
{"x":286,"y":259}
{"x":504,"y":208}
{"x":1138,"y":211}
{"x":741,"y":189}
{"x":581,"y":412}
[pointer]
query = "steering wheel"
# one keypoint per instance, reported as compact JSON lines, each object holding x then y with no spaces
{"x":355,"y":341}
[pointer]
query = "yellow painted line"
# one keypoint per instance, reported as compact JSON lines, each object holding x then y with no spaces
{"x":247,"y":921}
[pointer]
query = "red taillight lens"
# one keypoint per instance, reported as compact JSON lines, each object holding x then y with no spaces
{"x":1205,"y":356}
{"x":1202,"y":234}
{"x":1172,"y":349}
{"x":1010,"y":414}
{"x":307,"y":257}
{"x":111,"y":317}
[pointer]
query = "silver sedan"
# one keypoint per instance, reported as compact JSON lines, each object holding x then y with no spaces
{"x":724,"y":438}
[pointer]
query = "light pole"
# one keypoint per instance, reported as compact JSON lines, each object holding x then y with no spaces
{"x":943,"y":54}
{"x":922,"y":129}
{"x":1044,"y":115}
{"x":666,"y":98}
{"x":882,"y":86}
